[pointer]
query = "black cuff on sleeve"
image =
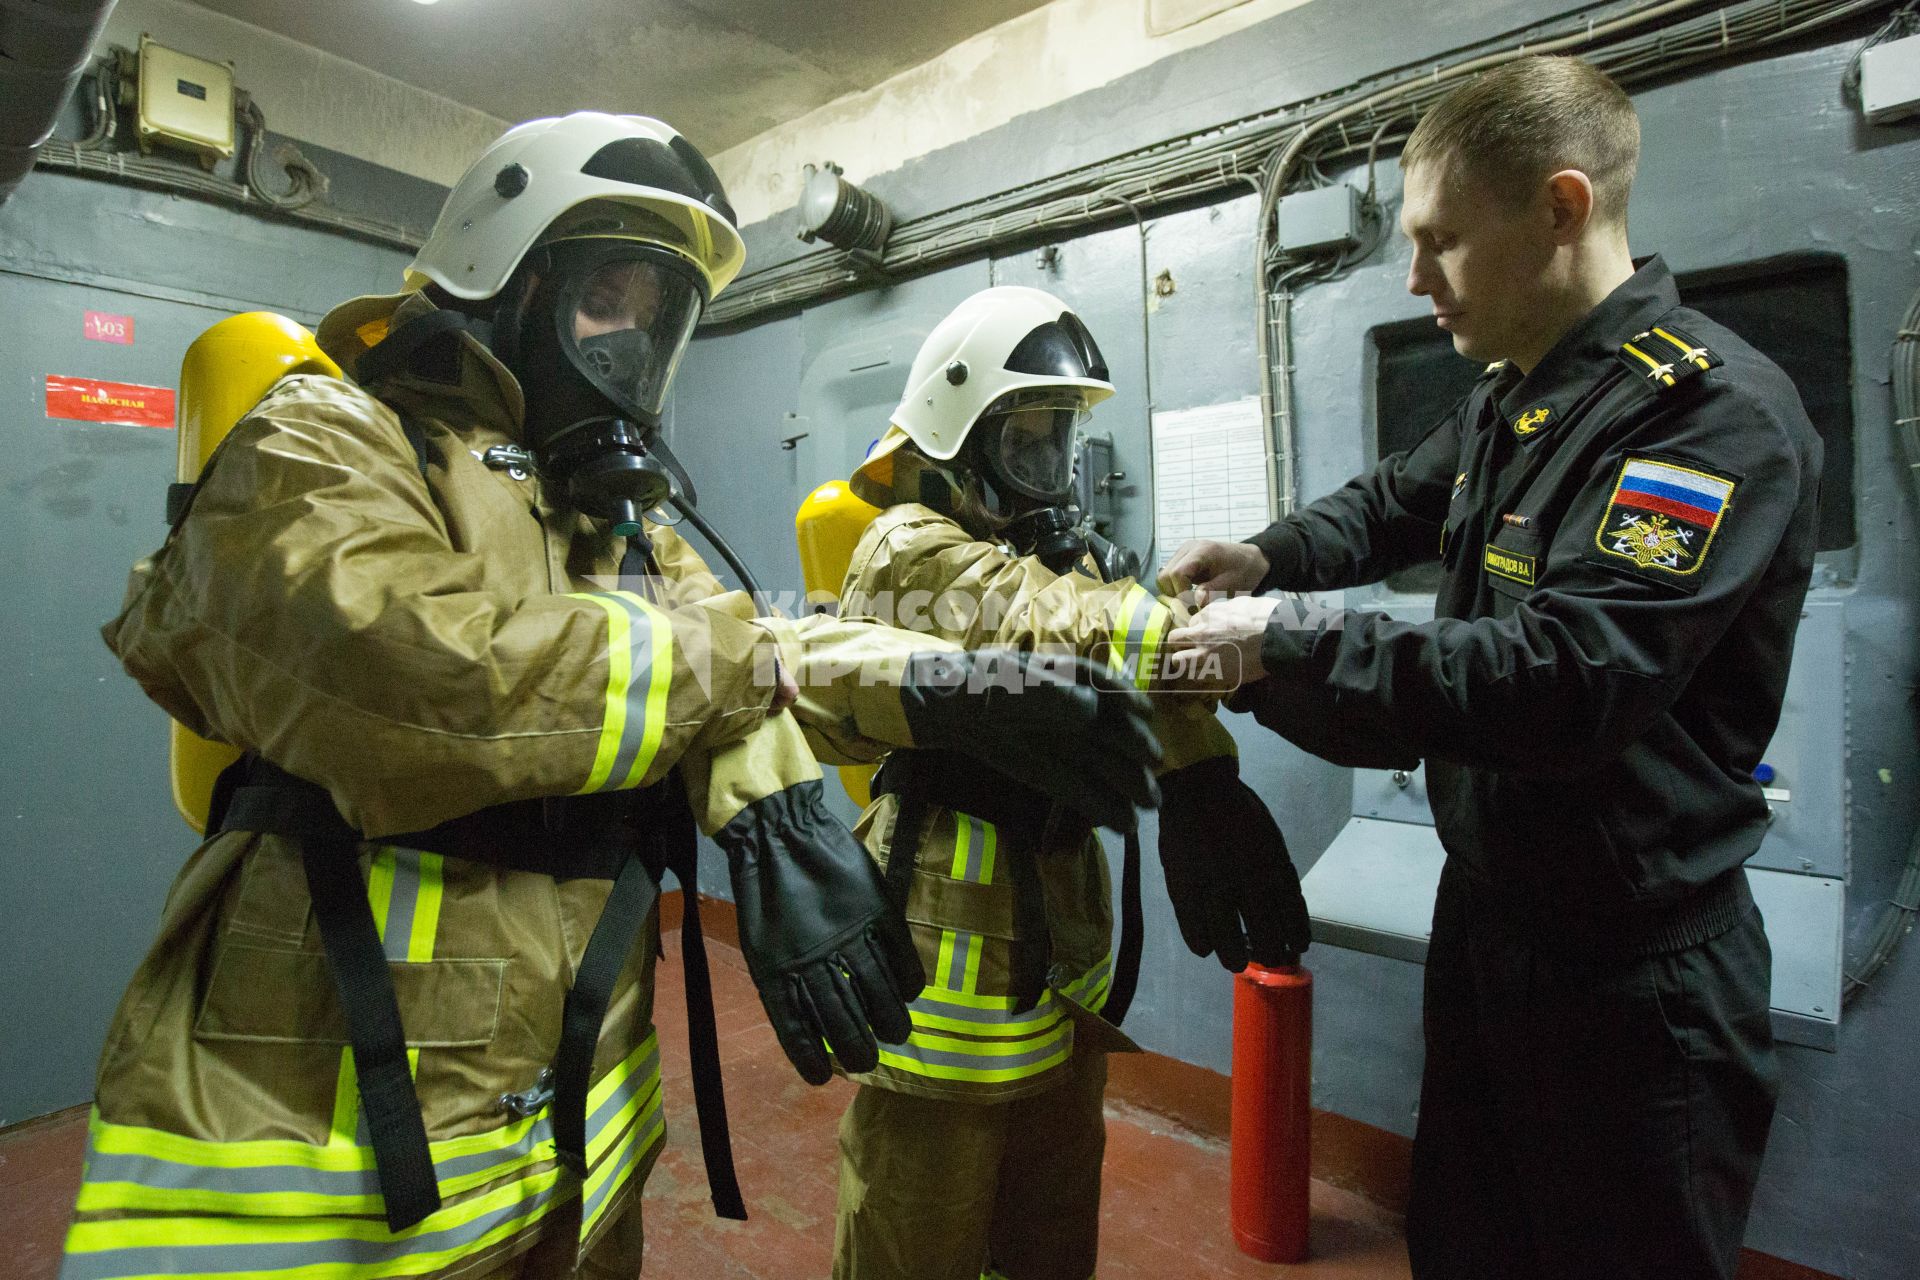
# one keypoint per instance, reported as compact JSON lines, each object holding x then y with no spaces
{"x":1284,"y":643}
{"x":1280,"y":543}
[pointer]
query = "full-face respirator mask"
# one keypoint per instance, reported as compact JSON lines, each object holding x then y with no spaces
{"x":594,"y":329}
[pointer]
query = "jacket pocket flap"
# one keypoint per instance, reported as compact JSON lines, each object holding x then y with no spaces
{"x":945,"y":903}
{"x":265,"y":993}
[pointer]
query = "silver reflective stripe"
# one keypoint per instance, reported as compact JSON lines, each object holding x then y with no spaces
{"x":974,"y":842}
{"x":1090,"y":979}
{"x":1001,"y":1020}
{"x":934,"y":1000}
{"x":963,"y":945}
{"x":405,"y":900}
{"x":652,"y":1129}
{"x":972,"y":850}
{"x":1007,"y":1062}
{"x":333,"y":1252}
{"x":1138,"y":623}
{"x":633,"y":734}
{"x":151,"y":1171}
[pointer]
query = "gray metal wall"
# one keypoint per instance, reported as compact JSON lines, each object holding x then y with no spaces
{"x":1740,"y":164}
{"x":89,"y":839}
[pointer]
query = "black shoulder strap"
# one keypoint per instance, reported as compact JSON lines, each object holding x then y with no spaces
{"x":1665,"y":356}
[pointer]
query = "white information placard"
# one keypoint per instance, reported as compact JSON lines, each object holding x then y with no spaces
{"x":1210,"y":475}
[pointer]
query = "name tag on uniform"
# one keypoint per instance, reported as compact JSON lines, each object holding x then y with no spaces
{"x":1511,"y":565}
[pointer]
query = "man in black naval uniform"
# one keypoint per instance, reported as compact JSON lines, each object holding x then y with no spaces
{"x":1625,"y":508}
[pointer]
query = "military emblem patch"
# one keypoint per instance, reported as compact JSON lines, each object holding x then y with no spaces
{"x":1532,"y":420}
{"x":1663,"y":515}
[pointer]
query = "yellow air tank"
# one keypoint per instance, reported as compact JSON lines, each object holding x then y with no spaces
{"x":828,"y":527}
{"x":225,"y":373}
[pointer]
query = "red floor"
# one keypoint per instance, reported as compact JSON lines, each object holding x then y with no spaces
{"x":1164,"y":1215}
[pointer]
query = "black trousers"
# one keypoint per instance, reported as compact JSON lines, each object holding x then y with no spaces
{"x":1586,"y":1117}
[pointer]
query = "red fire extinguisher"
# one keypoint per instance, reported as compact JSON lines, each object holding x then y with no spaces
{"x":1272,"y":1091}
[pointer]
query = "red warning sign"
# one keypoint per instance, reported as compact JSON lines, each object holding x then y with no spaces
{"x":91,"y":400}
{"x":102,"y":326}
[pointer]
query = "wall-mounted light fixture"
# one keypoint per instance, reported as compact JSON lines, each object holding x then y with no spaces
{"x":834,"y":210}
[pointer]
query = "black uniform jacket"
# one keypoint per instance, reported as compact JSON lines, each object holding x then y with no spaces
{"x":1628,"y":533}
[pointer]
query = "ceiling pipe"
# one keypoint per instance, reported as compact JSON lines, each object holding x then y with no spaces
{"x":44,"y":48}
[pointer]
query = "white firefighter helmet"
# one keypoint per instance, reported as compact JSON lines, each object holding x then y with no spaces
{"x":1004,"y":350}
{"x":582,"y":176}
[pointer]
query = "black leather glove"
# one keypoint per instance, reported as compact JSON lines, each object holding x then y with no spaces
{"x":831,"y":956}
{"x":1235,"y":892}
{"x":1058,"y":724}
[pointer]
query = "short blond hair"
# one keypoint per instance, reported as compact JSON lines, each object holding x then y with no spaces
{"x":1513,"y":126}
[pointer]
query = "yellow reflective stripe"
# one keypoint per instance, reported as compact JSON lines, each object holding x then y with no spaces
{"x":962,"y":843}
{"x":988,"y":1048}
{"x":1026,"y":1028}
{"x":346,"y":1102}
{"x":275,"y":1191}
{"x":619,"y":671}
{"x":648,"y":655}
{"x":636,"y":1141}
{"x":648,"y":1096}
{"x":133,"y":1140}
{"x":426,"y":909}
{"x":631,"y":1120}
{"x":989,"y":848}
{"x":1140,"y":622}
{"x":661,"y":677}
{"x":380,"y":889}
{"x":1062,"y":1049}
{"x":1117,"y":643}
{"x":1096,"y":998}
{"x":419,"y":876}
{"x":1157,"y":619}
{"x":970,"y":980}
{"x":153,"y":1233}
{"x":106,"y":1196}
{"x":974,"y":1000}
{"x":610,"y":1083}
{"x":945,"y":960}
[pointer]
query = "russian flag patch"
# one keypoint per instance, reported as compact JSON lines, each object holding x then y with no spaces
{"x":1663,"y":515}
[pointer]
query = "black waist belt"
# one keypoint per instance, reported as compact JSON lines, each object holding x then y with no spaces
{"x":924,"y":778}
{"x":630,"y":838}
{"x":1632,"y":929}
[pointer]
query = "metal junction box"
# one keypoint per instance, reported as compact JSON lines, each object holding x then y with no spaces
{"x":185,"y":102}
{"x":1890,"y":80}
{"x":1324,"y":218}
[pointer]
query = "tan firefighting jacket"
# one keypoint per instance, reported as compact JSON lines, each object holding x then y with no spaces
{"x":422,"y":647}
{"x":919,"y":569}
